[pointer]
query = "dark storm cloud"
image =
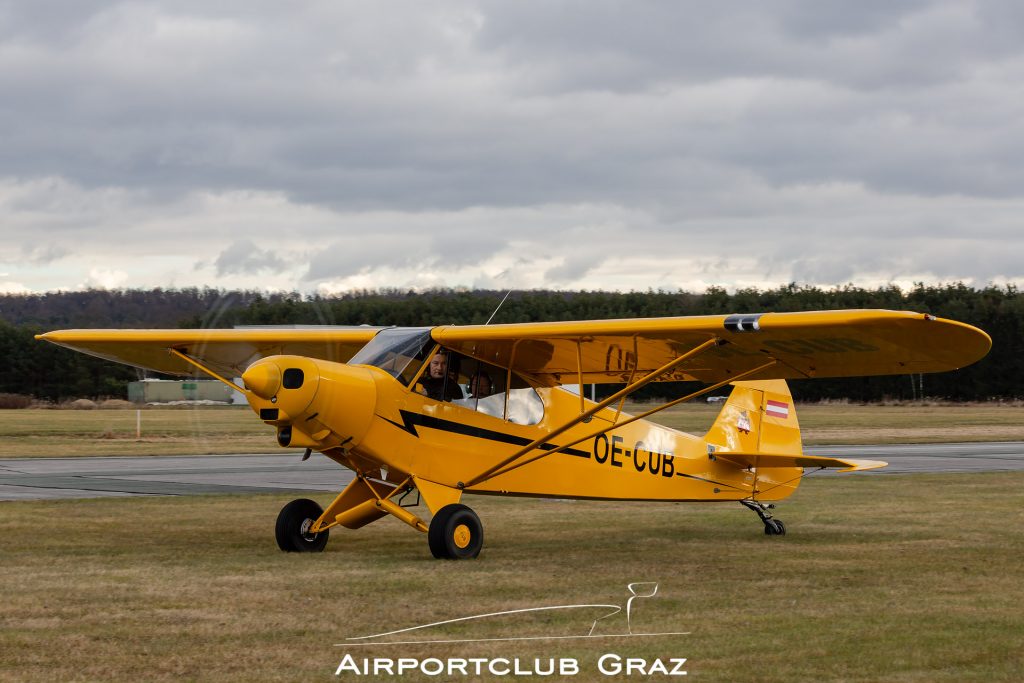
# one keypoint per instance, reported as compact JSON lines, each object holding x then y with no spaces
{"x":466,"y":105}
{"x":632,"y":46}
{"x":701,"y":126}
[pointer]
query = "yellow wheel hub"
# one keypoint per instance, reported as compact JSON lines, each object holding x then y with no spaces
{"x":461,"y":536}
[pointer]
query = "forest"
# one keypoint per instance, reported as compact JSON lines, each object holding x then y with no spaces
{"x":48,"y":372}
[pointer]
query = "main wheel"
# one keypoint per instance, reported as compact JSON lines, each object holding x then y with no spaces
{"x":774,"y":527}
{"x":292,"y":530}
{"x":455,"y":533}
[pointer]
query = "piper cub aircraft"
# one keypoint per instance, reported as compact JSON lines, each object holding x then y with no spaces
{"x":481,"y":409}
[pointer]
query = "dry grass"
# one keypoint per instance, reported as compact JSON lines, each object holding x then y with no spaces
{"x":895,"y":578}
{"x":165,"y":431}
{"x":212,"y":430}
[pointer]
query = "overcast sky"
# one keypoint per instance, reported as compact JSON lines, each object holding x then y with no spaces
{"x":325,"y":146}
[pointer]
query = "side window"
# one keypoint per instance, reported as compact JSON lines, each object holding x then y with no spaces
{"x":483,"y":386}
{"x":524,"y":405}
{"x":485,"y":392}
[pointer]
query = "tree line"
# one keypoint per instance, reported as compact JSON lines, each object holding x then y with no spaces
{"x":49,"y":372}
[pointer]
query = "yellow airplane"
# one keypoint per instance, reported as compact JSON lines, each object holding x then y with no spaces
{"x":482,"y":409}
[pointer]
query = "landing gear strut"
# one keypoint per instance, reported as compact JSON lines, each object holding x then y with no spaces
{"x":772,"y":526}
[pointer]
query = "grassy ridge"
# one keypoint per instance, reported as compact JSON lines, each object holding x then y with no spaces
{"x":896,"y":578}
{"x":63,"y":433}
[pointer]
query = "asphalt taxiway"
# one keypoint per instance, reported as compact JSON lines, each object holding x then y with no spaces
{"x":46,"y":478}
{"x":40,"y":478}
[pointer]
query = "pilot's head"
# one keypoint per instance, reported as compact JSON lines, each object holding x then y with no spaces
{"x":438,"y":366}
{"x":480,"y":385}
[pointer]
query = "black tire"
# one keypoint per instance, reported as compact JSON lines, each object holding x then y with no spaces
{"x":781,"y":530}
{"x":455,"y":533}
{"x":292,"y":523}
{"x":774,"y":527}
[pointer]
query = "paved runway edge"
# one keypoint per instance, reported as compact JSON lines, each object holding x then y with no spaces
{"x":52,"y":478}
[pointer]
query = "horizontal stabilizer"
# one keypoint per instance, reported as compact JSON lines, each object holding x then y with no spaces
{"x":810,"y":461}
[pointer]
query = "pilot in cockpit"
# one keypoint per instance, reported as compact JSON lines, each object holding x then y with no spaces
{"x":481,"y":386}
{"x":440,"y":382}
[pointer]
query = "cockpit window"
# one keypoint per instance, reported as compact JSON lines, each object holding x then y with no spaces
{"x":399,"y":351}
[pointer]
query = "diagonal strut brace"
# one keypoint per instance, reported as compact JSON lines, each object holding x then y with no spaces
{"x":616,"y":425}
{"x":193,"y":362}
{"x":622,"y":393}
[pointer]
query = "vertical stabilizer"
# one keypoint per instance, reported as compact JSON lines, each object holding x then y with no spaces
{"x":758,"y":417}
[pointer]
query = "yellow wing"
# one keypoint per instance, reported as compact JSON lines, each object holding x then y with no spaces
{"x":229,"y":352}
{"x":811,"y":344}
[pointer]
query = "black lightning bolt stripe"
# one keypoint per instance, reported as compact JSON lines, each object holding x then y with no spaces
{"x":412,"y":420}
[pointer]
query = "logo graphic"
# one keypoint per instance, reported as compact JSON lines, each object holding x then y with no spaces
{"x":638,"y":590}
{"x":743,"y":422}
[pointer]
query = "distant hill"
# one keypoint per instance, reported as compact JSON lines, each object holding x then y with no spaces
{"x":98,"y":308}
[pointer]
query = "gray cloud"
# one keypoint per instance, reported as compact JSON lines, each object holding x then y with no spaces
{"x":244,"y":257}
{"x":364,"y":251}
{"x":44,"y":254}
{"x":571,"y":269}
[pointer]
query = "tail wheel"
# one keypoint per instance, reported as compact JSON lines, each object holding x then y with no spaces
{"x":455,"y":533}
{"x":292,"y":530}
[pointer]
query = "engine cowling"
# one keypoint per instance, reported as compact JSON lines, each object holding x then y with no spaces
{"x":313,"y":403}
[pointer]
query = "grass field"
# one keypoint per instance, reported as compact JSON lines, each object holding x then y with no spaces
{"x":165,"y":431}
{"x":63,"y":433}
{"x":881,"y":578}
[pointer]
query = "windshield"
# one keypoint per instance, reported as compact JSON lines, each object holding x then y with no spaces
{"x":399,"y":351}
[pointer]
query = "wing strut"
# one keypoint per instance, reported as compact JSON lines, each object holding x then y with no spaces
{"x":622,"y":393}
{"x":192,"y":361}
{"x":683,"y":399}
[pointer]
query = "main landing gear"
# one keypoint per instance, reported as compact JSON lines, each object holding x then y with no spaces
{"x":292,"y":529}
{"x":455,"y":533}
{"x":772,"y":526}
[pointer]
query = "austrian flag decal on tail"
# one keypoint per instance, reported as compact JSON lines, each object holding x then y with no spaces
{"x":777,"y":409}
